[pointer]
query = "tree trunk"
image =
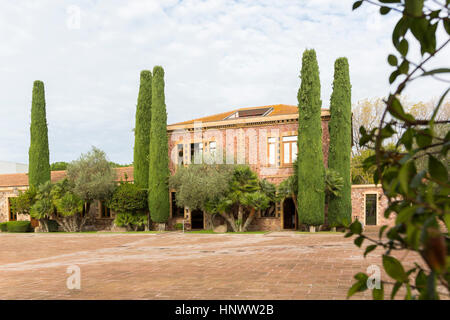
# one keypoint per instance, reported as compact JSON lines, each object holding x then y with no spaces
{"x":240,"y":217}
{"x":249,"y":219}
{"x":208,"y":221}
{"x":44,"y":224}
{"x":230,"y":220}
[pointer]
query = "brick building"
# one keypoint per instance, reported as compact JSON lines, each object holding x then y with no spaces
{"x":264,"y":137}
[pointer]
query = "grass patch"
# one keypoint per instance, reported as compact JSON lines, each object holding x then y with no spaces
{"x":320,"y":232}
{"x":229,"y":232}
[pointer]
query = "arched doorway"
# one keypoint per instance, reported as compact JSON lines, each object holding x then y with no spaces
{"x":289,"y":215}
{"x":197,"y":219}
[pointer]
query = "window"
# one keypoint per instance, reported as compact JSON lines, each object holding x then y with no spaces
{"x":12,"y":214}
{"x":212,"y":148}
{"x":105,"y":212}
{"x":371,"y":209}
{"x":271,"y":150}
{"x":196,"y":152}
{"x":180,"y":154}
{"x":289,"y":149}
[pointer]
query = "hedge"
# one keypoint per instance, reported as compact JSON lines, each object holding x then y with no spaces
{"x":3,"y":227}
{"x":18,"y":226}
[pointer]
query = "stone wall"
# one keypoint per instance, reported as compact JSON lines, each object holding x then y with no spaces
{"x":5,"y":194}
{"x":358,"y":203}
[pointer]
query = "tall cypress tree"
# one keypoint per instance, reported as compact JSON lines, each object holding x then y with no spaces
{"x":311,"y":171}
{"x":340,"y":128}
{"x":158,"y":187}
{"x":38,"y":154}
{"x":142,"y":130}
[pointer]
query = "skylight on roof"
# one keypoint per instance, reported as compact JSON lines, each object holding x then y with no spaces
{"x":246,"y":113}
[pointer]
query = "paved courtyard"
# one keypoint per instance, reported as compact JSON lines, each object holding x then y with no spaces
{"x":279,"y":265}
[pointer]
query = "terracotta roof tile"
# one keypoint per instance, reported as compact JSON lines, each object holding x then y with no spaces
{"x":21,"y":179}
{"x":278,"y":109}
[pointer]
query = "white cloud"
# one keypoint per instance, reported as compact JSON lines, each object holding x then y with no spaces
{"x":217,"y":54}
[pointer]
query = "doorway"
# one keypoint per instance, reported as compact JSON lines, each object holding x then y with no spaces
{"x":289,"y":215}
{"x":371,"y":209}
{"x":197,"y":219}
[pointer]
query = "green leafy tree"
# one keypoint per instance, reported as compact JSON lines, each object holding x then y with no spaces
{"x":142,"y":130}
{"x":158,"y":195}
{"x":58,"y":166}
{"x":418,"y":199}
{"x":340,"y":128}
{"x":69,"y":206}
{"x":130,"y":204}
{"x":43,"y":207}
{"x":39,"y":155}
{"x":92,"y":178}
{"x":234,"y":192}
{"x":361,"y":175}
{"x":311,"y":171}
{"x":24,"y":201}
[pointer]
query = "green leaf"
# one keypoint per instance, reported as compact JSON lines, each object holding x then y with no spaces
{"x":400,"y":30}
{"x":404,"y":67}
{"x":382,"y":229}
{"x":406,"y":173}
{"x":414,"y":7}
{"x":393,"y":76}
{"x":356,"y":5}
{"x":394,"y":268}
{"x":359,"y":286}
{"x":395,"y":289}
{"x":407,"y":138}
{"x":423,"y":138}
{"x":378,"y":294}
{"x":403,"y":47}
{"x":405,"y":215}
{"x":358,"y":241}
{"x":437,"y":170}
{"x":434,"y":71}
{"x":356,"y":227}
{"x":392,"y":60}
{"x":384,"y":10}
{"x":447,"y":25}
{"x":370,"y":249}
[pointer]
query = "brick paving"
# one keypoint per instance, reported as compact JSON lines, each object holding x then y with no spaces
{"x":281,"y":265}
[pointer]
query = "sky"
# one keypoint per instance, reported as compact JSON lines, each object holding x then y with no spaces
{"x":218,"y":55}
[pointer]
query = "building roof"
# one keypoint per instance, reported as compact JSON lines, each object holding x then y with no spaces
{"x":276,"y":110}
{"x":21,"y":179}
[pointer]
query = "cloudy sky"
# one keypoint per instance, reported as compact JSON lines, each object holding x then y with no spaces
{"x":217,"y":55}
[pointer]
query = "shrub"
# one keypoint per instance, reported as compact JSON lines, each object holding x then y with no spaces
{"x":52,"y":226}
{"x":3,"y":227}
{"x":130,"y":221}
{"x":178,"y":226}
{"x":19,"y":226}
{"x":129,"y":198}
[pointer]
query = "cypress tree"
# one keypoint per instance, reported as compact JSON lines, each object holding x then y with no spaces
{"x":142,"y":130}
{"x":158,"y":187}
{"x":340,"y":128}
{"x":311,"y":171}
{"x":38,"y":154}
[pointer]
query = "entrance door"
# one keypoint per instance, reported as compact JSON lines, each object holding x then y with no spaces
{"x":288,"y":214}
{"x":197,"y":219}
{"x":371,"y":209}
